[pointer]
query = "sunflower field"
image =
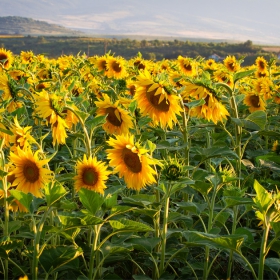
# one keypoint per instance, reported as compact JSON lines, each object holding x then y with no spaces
{"x":134,"y":169}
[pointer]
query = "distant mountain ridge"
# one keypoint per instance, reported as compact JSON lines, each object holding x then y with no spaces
{"x":28,"y":26}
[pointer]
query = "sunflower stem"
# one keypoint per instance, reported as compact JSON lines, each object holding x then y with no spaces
{"x":88,"y":141}
{"x":164,"y":229}
{"x":94,"y":254}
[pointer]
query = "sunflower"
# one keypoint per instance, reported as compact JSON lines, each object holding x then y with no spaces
{"x":261,"y":74}
{"x":255,"y":101}
{"x":264,"y":86}
{"x":261,"y":64}
{"x":231,"y":64}
{"x":131,"y":162}
{"x":101,"y":63}
{"x":131,"y":87}
{"x":155,"y":101}
{"x":210,"y":64}
{"x":27,"y":57}
{"x":91,"y":174}
{"x":30,"y":176}
{"x":6,"y":58}
{"x":17,"y":75}
{"x":187,"y":65}
{"x":118,"y":121}
{"x":116,"y":67}
{"x":212,"y":109}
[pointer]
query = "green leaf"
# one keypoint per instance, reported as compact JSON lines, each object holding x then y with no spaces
{"x":230,"y":242}
{"x":231,"y":201}
{"x":24,"y":198}
{"x":276,"y":228}
{"x":132,"y":106}
{"x":259,"y":118}
{"x":64,"y":177}
{"x":202,"y":187}
{"x":263,"y":199}
{"x":97,"y":121}
{"x":10,"y":245}
{"x":13,"y":226}
{"x":215,"y":151}
{"x":110,"y":250}
{"x":6,"y":131}
{"x":91,"y":200}
{"x":129,"y":225}
{"x":240,"y":75}
{"x":144,"y":244}
{"x":273,"y":264}
{"x":269,"y":133}
{"x":189,"y":206}
{"x":69,"y":219}
{"x":54,"y":192}
{"x":195,"y":103}
{"x":82,"y":115}
{"x":54,"y":258}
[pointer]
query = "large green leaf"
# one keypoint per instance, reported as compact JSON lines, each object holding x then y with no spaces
{"x":144,"y":244}
{"x":24,"y":198}
{"x":54,"y":258}
{"x":54,"y":192}
{"x":259,"y":118}
{"x":263,"y":198}
{"x":240,"y":75}
{"x":91,"y":200}
{"x":228,"y":242}
{"x":129,"y":225}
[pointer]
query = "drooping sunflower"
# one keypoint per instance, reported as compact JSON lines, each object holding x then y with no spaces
{"x":116,"y":67}
{"x":91,"y":174}
{"x":21,"y":136}
{"x":101,"y":63}
{"x":261,"y":63}
{"x":118,"y":120}
{"x":155,"y":101}
{"x":8,"y":86}
{"x":231,"y":64}
{"x":6,"y":58}
{"x":212,"y":109}
{"x":50,"y":109}
{"x":254,"y":101}
{"x":223,"y":77}
{"x":131,"y":162}
{"x":30,"y":176}
{"x":187,"y":65}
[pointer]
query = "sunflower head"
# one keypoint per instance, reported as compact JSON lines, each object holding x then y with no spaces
{"x":6,"y":58}
{"x":261,"y":64}
{"x":231,"y":64}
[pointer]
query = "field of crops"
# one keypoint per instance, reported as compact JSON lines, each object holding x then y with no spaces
{"x":133,"y":169}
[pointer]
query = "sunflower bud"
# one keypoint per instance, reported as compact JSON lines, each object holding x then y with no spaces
{"x":172,"y":169}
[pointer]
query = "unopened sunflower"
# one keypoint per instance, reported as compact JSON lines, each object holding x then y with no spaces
{"x":131,"y":162}
{"x":91,"y":174}
{"x":118,"y":120}
{"x":30,"y":176}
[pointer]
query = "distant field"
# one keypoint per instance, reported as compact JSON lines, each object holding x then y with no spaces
{"x":272,"y":49}
{"x":10,"y":36}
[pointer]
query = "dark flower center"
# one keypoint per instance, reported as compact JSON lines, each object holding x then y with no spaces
{"x":89,"y":176}
{"x":255,"y":101}
{"x":31,"y":171}
{"x":116,"y":67}
{"x":154,"y":100}
{"x":112,"y":118}
{"x":132,"y":160}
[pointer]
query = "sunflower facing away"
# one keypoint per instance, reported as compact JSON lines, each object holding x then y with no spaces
{"x":91,"y":174}
{"x":154,"y":101}
{"x":6,"y":58}
{"x":30,"y":176}
{"x":131,"y":162}
{"x":118,"y":120}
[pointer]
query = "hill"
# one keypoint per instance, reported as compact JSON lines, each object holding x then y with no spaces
{"x":29,"y":26}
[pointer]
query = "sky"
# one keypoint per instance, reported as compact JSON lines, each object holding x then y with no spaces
{"x":255,"y":20}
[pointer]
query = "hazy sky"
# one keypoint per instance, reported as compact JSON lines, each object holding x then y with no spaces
{"x":256,"y":20}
